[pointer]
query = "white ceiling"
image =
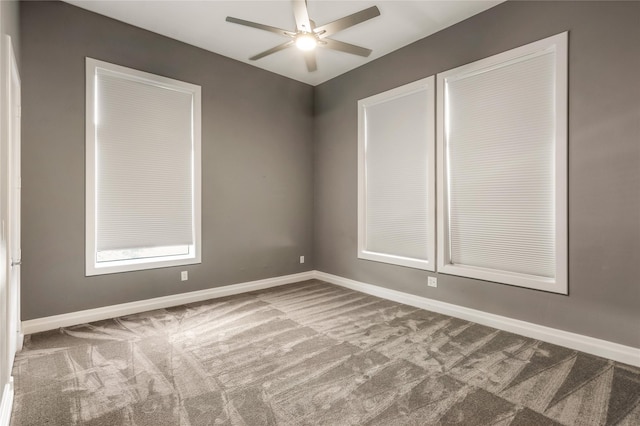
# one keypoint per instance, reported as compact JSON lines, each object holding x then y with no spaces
{"x":202,"y":24}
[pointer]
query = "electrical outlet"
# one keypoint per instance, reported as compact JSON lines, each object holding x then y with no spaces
{"x":432,"y":282}
{"x":301,"y":259}
{"x":184,"y":276}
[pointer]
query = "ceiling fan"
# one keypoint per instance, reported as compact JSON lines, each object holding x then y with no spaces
{"x":307,"y":36}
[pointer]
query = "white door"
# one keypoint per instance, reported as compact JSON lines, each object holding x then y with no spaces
{"x":14,"y":188}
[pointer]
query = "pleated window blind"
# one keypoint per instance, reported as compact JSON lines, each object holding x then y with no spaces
{"x":397,"y":176}
{"x":143,"y":178}
{"x":502,"y":143}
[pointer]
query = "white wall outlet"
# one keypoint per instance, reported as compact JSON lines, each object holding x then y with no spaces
{"x":184,"y":276}
{"x":432,"y":282}
{"x":301,"y":259}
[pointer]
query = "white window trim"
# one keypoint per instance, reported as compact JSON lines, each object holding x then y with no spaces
{"x":428,"y":85}
{"x":148,"y":263}
{"x":557,"y":43}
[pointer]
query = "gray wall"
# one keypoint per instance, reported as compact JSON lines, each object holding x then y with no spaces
{"x":604,"y":164}
{"x":257,"y":215}
{"x":269,"y":186}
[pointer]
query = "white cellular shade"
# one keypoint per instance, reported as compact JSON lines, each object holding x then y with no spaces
{"x":503,"y":197}
{"x":144,"y":164}
{"x":397,"y":202}
{"x":501,"y":168}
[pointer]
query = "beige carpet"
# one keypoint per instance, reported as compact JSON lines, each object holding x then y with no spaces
{"x":311,"y":354}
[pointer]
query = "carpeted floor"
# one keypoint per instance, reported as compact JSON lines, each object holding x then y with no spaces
{"x":311,"y":354}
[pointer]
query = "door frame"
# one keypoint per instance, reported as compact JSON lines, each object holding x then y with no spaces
{"x":14,"y":185}
{"x":10,"y":325}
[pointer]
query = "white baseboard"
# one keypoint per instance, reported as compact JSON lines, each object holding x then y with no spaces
{"x":6,"y":404}
{"x":591,"y":345}
{"x":603,"y":348}
{"x":89,"y":315}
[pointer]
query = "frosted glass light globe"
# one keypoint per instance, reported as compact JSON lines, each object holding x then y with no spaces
{"x":306,"y":41}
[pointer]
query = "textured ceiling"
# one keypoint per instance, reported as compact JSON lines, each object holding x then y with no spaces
{"x":202,"y":24}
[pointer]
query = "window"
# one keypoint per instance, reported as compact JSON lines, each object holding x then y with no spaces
{"x":501,"y":170}
{"x":143,"y":170}
{"x":396,"y":176}
{"x":502,"y":166}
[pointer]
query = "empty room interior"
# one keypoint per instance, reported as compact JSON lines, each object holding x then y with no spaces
{"x":320,"y":212}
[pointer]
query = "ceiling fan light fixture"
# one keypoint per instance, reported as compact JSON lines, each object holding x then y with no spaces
{"x":307,"y":35}
{"x":306,"y":41}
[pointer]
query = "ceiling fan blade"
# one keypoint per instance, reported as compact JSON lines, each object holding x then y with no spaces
{"x":301,"y":15}
{"x":272,"y":50}
{"x":345,"y":47}
{"x":346,"y":22}
{"x":310,"y":59}
{"x":260,"y":26}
